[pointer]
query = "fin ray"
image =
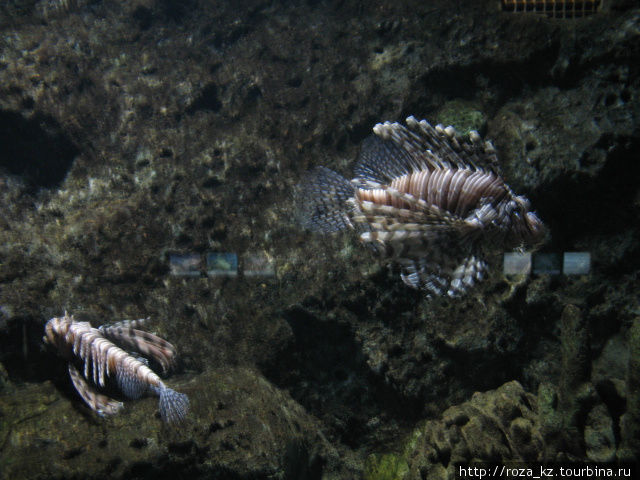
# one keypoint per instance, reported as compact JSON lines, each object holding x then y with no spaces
{"x":322,"y":201}
{"x":132,"y":386}
{"x":142,"y":342}
{"x":381,"y":161}
{"x":439,"y":279}
{"x":173,"y":405}
{"x":99,"y":403}
{"x":438,"y":147}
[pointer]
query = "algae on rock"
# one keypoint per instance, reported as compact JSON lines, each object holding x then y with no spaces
{"x":464,"y":116}
{"x":564,"y":409}
{"x":498,"y":425}
{"x":387,"y":466}
{"x":259,"y":435}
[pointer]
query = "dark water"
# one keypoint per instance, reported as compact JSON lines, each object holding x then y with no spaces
{"x":149,"y":153}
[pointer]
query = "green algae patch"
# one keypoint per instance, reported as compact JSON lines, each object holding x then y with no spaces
{"x":412,"y":441}
{"x":462,"y":115}
{"x":388,"y":466}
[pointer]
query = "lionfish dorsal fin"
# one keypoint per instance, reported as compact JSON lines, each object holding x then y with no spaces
{"x":145,"y":343}
{"x":98,"y":402}
{"x":397,"y":150}
{"x":462,"y":152}
{"x":137,"y":323}
{"x":381,"y":161}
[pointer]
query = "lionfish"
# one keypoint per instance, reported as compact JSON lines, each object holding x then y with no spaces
{"x":93,"y":350}
{"x":430,"y":201}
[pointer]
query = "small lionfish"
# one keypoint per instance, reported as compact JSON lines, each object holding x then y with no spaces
{"x":93,"y":349}
{"x":431,"y":202}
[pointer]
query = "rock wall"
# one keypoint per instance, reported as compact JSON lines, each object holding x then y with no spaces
{"x":131,"y":131}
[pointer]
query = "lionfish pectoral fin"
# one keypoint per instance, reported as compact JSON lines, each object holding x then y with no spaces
{"x":471,"y":270}
{"x":145,"y":343}
{"x":418,"y":214}
{"x":410,"y":277}
{"x":421,"y":274}
{"x":99,"y":403}
{"x":321,"y":201}
{"x":433,"y":219}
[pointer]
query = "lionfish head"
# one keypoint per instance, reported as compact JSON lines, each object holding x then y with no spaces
{"x":56,"y":330}
{"x":527,"y":228}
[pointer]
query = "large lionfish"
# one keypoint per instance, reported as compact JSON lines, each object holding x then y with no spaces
{"x":432,"y":202}
{"x":92,"y":349}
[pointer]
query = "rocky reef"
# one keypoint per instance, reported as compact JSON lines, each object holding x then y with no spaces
{"x":235,"y":410}
{"x":134,"y":131}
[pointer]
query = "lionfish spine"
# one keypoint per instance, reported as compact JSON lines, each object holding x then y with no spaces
{"x":147,"y":344}
{"x":124,"y":324}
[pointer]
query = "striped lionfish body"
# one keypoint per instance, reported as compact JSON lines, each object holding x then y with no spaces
{"x":432,"y":203}
{"x":94,"y":360}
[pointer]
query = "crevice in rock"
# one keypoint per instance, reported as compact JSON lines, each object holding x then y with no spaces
{"x":323,"y":369}
{"x":25,"y":355}
{"x":35,"y":149}
{"x":595,"y":204}
{"x":507,"y":79}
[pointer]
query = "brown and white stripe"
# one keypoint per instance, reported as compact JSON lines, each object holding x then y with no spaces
{"x":100,"y":359}
{"x":426,"y":198}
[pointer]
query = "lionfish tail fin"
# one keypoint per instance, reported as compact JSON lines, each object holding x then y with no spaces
{"x":322,"y":201}
{"x":174,"y":406}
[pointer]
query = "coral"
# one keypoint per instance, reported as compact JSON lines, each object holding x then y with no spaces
{"x":599,"y":435}
{"x":574,"y":388}
{"x":498,"y":425}
{"x":564,"y":408}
